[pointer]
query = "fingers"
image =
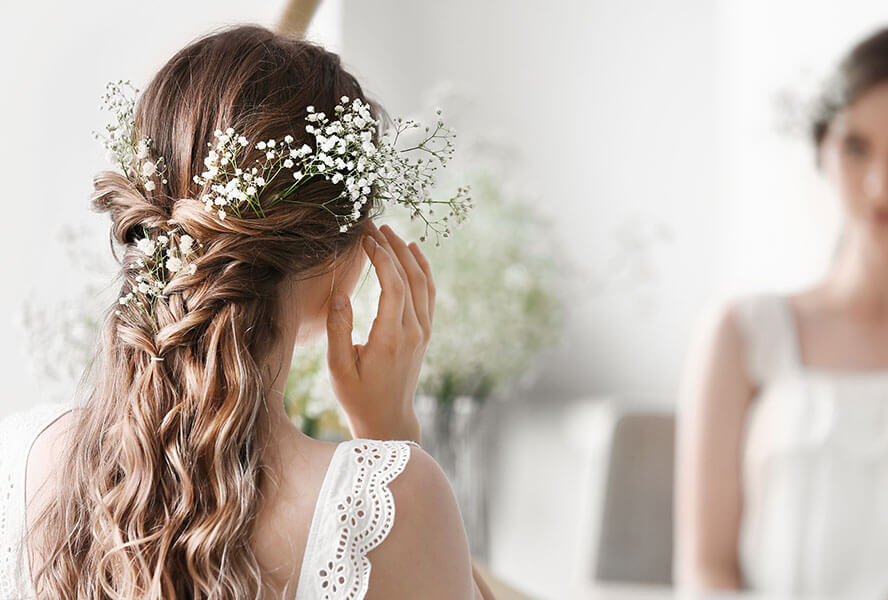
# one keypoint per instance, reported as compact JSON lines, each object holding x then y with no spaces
{"x":409,"y":315}
{"x":340,"y":352}
{"x":430,"y":282}
{"x":416,"y":277}
{"x":392,"y":298}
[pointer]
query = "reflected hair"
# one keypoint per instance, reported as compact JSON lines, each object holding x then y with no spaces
{"x":861,"y":69}
{"x":160,"y":488}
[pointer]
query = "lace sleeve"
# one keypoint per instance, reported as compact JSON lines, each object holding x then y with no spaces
{"x":361,"y":514}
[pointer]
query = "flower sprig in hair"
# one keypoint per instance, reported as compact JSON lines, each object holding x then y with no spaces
{"x":345,"y":152}
{"x":125,"y":147}
{"x":169,"y":253}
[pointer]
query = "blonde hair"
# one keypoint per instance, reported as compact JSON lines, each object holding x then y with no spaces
{"x":159,"y":490}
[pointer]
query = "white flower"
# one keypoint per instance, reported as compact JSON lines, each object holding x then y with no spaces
{"x":221,"y":214}
{"x":146,"y":246}
{"x":269,"y":155}
{"x":288,"y":163}
{"x":243,"y":141}
{"x":260,"y":146}
{"x":148,"y":168}
{"x":288,"y":139}
{"x":173,"y":264}
{"x":185,"y":243}
{"x":192,"y":268}
{"x":149,"y":185}
{"x":163,"y":239}
{"x":142,"y":150}
{"x":143,"y":287}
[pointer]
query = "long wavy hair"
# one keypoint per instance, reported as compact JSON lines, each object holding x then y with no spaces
{"x":161,"y":480}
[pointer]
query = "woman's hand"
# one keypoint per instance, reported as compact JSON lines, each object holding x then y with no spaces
{"x":376,"y":382}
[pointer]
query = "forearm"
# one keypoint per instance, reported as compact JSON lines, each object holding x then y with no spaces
{"x":486,"y":593}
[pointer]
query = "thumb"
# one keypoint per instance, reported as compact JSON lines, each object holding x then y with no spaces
{"x":340,"y":351}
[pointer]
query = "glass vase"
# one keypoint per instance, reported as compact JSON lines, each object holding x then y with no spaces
{"x":454,"y":433}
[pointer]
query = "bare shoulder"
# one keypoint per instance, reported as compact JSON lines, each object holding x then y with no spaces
{"x":718,"y":339}
{"x":717,"y":372}
{"x":42,"y":459}
{"x":720,"y":323}
{"x":426,"y":553}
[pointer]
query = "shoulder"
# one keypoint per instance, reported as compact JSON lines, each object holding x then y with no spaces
{"x":721,"y":366}
{"x":722,"y":326}
{"x":43,"y":455}
{"x":426,"y":551}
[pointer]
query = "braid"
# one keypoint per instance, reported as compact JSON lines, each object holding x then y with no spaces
{"x":163,"y":484}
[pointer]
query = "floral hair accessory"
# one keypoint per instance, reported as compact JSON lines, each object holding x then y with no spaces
{"x":169,"y":253}
{"x":121,"y":141}
{"x":345,"y":153}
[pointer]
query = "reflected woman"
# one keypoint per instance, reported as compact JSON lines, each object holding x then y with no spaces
{"x":782,"y":466}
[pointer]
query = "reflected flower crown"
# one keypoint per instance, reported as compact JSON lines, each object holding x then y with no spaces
{"x":345,"y":152}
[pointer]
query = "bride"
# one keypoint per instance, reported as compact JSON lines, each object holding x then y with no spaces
{"x":181,"y":475}
{"x":783,"y":434}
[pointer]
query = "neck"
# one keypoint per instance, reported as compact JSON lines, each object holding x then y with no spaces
{"x":277,"y":367}
{"x":859,"y":275}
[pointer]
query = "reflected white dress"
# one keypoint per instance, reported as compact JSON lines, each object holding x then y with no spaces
{"x":353,"y":514}
{"x":815,"y":468}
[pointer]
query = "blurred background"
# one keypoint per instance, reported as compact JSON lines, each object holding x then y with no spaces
{"x":644,"y":157}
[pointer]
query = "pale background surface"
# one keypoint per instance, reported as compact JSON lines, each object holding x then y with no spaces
{"x":672,"y":128}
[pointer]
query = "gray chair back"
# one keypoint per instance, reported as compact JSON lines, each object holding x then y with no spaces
{"x":636,"y":531}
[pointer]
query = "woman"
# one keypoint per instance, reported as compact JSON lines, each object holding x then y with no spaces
{"x":182,"y":476}
{"x":782,"y":475}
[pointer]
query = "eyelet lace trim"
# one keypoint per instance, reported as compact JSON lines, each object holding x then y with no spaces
{"x":364,"y":517}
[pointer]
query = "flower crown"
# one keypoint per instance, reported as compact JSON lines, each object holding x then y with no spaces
{"x":345,"y":153}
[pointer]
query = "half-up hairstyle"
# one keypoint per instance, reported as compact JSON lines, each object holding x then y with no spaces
{"x":160,"y":486}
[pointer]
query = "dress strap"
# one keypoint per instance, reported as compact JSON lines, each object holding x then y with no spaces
{"x":769,"y":332}
{"x":355,"y":512}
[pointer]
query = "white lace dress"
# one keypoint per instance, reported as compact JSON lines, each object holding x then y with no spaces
{"x":354,"y":511}
{"x":815,"y":468}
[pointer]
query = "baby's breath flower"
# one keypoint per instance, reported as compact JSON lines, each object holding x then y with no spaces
{"x":173,"y":264}
{"x":123,"y":144}
{"x":146,"y":245}
{"x":348,"y":155}
{"x":165,"y":253}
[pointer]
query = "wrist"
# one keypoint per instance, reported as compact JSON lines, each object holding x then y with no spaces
{"x":406,"y":428}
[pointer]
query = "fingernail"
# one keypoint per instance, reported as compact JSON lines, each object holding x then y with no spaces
{"x":338,"y":302}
